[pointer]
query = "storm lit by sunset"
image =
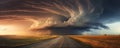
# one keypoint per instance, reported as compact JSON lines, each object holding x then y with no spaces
{"x":59,"y":23}
{"x":57,"y":17}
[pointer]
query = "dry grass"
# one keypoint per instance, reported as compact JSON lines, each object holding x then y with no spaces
{"x":13,"y":41}
{"x":100,"y":41}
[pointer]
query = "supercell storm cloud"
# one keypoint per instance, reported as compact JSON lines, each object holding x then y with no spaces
{"x":61,"y":16}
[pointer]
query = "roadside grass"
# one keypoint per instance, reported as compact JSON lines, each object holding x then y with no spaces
{"x":100,"y":41}
{"x":13,"y":41}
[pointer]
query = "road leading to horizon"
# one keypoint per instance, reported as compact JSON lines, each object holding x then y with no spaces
{"x":60,"y":42}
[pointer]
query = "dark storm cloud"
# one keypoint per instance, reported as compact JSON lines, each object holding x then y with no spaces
{"x":73,"y":29}
{"x":67,"y":16}
{"x":111,"y":11}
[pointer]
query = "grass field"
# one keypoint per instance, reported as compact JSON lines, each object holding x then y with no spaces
{"x":13,"y":41}
{"x":100,"y":41}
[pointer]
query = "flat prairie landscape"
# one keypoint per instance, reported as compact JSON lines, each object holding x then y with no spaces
{"x":99,"y":41}
{"x":60,"y":41}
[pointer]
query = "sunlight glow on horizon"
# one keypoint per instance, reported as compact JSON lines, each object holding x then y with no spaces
{"x":10,"y":30}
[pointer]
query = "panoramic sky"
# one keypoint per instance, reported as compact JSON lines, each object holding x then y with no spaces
{"x":59,"y":17}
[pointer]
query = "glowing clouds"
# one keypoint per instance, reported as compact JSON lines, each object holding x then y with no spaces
{"x":41,"y":22}
{"x":67,"y":14}
{"x":57,"y":16}
{"x":77,"y":14}
{"x":14,"y":26}
{"x":23,"y":25}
